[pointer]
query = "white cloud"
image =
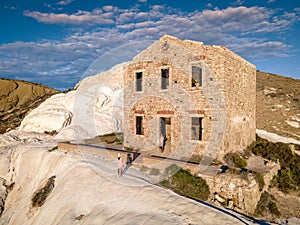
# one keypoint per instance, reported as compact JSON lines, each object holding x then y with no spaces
{"x":239,"y":2}
{"x":261,"y":50}
{"x":108,"y":8}
{"x":65,"y":2}
{"x":81,"y":17}
{"x":234,"y":27}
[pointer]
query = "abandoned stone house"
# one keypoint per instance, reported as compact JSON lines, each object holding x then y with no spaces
{"x":201,"y":98}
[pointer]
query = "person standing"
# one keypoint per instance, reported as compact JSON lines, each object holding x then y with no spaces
{"x":120,"y":165}
{"x":128,"y":163}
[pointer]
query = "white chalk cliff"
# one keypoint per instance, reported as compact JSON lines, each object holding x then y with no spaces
{"x":95,"y":107}
{"x":87,"y":190}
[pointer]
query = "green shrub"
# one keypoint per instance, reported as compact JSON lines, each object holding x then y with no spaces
{"x":267,"y":204}
{"x":243,"y":174}
{"x":284,"y":180}
{"x":235,"y":160}
{"x":184,"y":183}
{"x":111,"y":138}
{"x":128,"y":148}
{"x":288,"y":177}
{"x":260,"y":180}
{"x":171,"y":170}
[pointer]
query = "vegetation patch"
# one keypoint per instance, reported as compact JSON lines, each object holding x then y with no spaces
{"x":17,"y":99}
{"x":112,"y":138}
{"x":128,"y":148}
{"x":260,"y":180}
{"x":243,"y":174}
{"x":39,"y":197}
{"x":266,"y":205}
{"x":184,"y":183}
{"x":235,"y":160}
{"x":288,"y":177}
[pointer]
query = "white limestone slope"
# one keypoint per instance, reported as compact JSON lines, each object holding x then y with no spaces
{"x":275,"y":137}
{"x":94,"y":108}
{"x":88,"y":191}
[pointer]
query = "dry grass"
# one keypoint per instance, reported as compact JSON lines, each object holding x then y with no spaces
{"x":277,"y":102}
{"x":17,"y":98}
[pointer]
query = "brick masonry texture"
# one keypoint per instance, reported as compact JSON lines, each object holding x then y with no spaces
{"x":225,"y":101}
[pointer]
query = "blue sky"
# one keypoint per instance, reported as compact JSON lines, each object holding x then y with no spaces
{"x":54,"y":42}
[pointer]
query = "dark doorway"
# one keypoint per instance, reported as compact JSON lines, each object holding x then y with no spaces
{"x":165,"y":130}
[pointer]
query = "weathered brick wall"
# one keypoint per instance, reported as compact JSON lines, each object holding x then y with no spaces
{"x":226,"y":101}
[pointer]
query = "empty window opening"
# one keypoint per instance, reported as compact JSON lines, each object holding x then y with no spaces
{"x":139,"y":81}
{"x":139,"y":125}
{"x":196,"y":128}
{"x":196,"y":76}
{"x":164,"y":78}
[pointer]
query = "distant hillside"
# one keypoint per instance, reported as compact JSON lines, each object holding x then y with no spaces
{"x":278,"y":104}
{"x":17,"y":98}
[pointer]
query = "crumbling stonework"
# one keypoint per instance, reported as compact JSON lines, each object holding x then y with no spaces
{"x":238,"y":192}
{"x":224,"y":99}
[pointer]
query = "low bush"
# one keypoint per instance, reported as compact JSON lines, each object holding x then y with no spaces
{"x":111,"y":138}
{"x":288,"y":177}
{"x":243,"y":174}
{"x":184,"y":183}
{"x":260,"y":180}
{"x":235,"y":160}
{"x":266,"y":204}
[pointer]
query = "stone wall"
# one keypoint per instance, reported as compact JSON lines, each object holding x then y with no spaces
{"x":225,"y":101}
{"x":105,"y":151}
{"x":239,"y":192}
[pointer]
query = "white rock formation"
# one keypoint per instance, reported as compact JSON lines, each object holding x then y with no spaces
{"x":81,"y":195}
{"x":275,"y":137}
{"x":94,"y":108}
{"x":53,"y":114}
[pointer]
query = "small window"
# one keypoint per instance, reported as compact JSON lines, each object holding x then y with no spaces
{"x":196,"y":128}
{"x":139,"y":81}
{"x":164,"y":78}
{"x":139,"y":125}
{"x":196,"y":76}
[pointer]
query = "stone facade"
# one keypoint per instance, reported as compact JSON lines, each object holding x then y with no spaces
{"x":202,"y":98}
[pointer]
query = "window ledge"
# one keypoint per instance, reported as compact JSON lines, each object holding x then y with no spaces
{"x":196,"y":141}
